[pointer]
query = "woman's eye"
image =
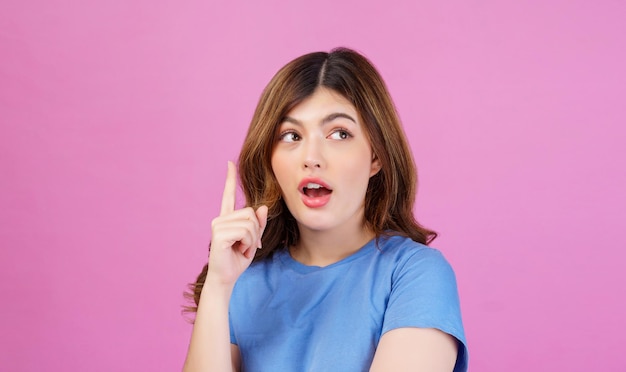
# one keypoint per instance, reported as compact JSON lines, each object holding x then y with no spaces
{"x":289,"y":137}
{"x":340,"y":135}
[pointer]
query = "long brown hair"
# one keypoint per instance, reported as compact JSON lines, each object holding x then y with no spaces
{"x":391,"y":192}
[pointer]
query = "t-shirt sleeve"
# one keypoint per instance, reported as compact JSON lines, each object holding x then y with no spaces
{"x":233,"y":339}
{"x":233,"y":305}
{"x":424,"y":295}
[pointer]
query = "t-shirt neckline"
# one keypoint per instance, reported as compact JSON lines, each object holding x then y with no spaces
{"x":290,"y":262}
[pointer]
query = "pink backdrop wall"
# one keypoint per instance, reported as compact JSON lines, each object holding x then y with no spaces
{"x":117,"y":119}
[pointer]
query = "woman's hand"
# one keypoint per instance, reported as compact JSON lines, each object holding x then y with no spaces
{"x":236,"y":235}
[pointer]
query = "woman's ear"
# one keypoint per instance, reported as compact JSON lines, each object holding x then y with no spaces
{"x":375,"y":165}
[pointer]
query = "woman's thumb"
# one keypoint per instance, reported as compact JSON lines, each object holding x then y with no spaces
{"x":261,"y":215}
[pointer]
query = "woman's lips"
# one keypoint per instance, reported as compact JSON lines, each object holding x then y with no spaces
{"x":315,"y":193}
{"x":315,"y":201}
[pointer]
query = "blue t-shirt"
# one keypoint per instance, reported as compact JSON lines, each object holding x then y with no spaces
{"x":286,"y":316}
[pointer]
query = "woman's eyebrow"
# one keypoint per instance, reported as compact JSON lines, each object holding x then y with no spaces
{"x":327,"y":119}
{"x":336,"y":115}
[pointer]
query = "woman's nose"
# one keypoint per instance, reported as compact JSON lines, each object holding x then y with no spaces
{"x":312,"y":163}
{"x":313,"y":154}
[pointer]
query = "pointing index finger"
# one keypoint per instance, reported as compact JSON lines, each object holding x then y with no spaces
{"x":228,"y":198}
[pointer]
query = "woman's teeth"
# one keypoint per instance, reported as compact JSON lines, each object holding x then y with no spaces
{"x":314,"y":190}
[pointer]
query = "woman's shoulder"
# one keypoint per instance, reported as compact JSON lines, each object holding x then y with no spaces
{"x":406,"y":254}
{"x":405,"y":247}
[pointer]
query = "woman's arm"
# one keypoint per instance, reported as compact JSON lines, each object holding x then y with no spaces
{"x":415,"y":349}
{"x":236,"y":235}
{"x":210,"y":348}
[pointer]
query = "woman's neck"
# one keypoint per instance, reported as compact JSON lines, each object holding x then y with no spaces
{"x":323,"y":248}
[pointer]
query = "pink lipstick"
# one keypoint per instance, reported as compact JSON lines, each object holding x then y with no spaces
{"x":315,"y":192}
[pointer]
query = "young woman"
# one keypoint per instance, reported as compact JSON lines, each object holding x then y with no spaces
{"x":326,"y":268}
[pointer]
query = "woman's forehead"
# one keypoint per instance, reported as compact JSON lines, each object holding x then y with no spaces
{"x":322,"y":105}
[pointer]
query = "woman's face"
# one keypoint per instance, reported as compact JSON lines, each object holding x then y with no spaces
{"x":323,"y":162}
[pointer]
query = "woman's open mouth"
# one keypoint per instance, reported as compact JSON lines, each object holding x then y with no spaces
{"x":315,"y":194}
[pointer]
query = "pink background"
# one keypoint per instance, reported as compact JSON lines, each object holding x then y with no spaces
{"x":117,"y":119}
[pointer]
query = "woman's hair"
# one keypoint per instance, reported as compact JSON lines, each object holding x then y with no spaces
{"x":391,"y":192}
